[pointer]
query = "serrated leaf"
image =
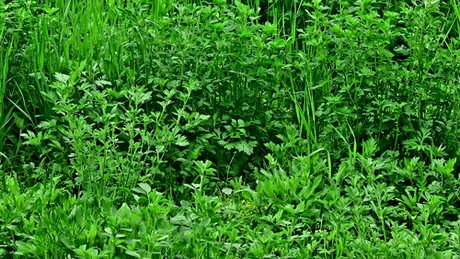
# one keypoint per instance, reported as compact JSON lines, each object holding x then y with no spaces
{"x":145,"y":97}
{"x":63,"y":78}
{"x":47,"y":124}
{"x":245,"y":147}
{"x":102,"y":83}
{"x":182,"y":141}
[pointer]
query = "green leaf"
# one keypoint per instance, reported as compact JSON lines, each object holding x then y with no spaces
{"x":145,"y":187}
{"x":25,"y":248}
{"x":102,"y":83}
{"x":61,"y":77}
{"x":246,"y":147}
{"x":206,"y":222}
{"x":124,"y":212}
{"x":182,"y":141}
{"x":133,"y":254}
{"x":227,"y":191}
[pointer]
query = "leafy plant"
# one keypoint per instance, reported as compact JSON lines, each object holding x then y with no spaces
{"x":229,"y":129}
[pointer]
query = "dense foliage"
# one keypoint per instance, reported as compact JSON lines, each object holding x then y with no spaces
{"x":229,"y":129}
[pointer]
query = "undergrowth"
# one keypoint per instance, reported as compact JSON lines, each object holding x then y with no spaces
{"x":229,"y":129}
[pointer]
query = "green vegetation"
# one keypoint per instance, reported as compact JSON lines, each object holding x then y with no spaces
{"x":229,"y":129}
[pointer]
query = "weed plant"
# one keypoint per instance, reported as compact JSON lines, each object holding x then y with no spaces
{"x":229,"y":129}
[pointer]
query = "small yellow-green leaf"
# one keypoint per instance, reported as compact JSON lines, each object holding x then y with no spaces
{"x":227,"y":191}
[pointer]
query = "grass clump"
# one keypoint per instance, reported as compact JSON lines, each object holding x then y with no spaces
{"x":228,"y":129}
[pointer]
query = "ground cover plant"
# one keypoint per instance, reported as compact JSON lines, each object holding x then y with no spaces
{"x":229,"y":129}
